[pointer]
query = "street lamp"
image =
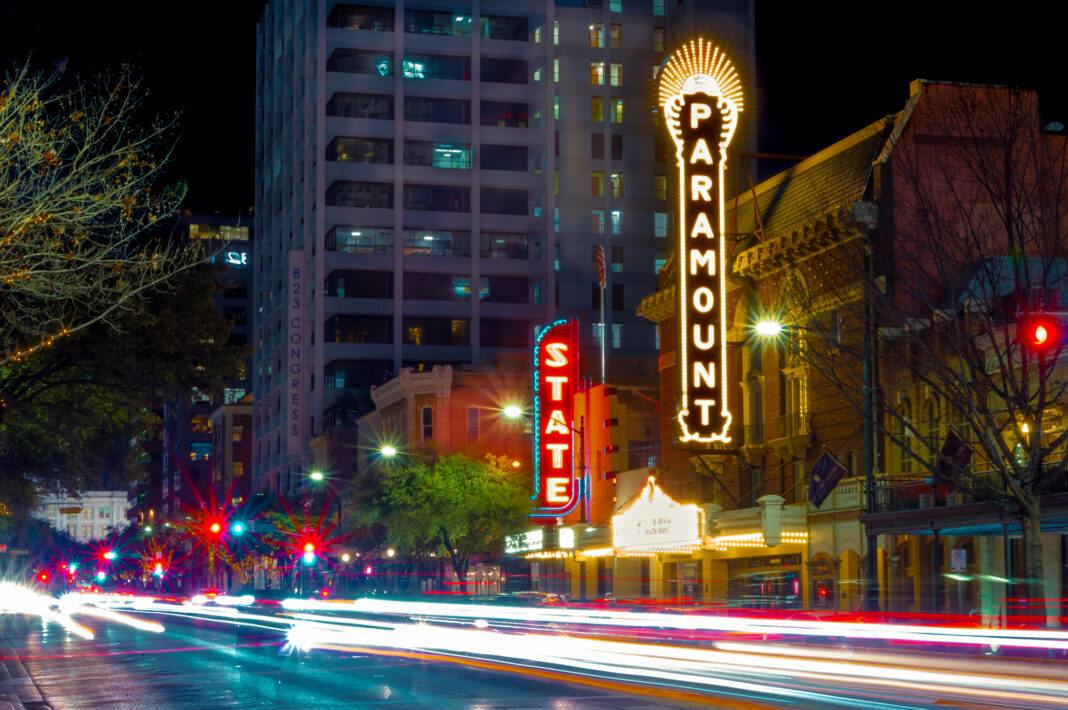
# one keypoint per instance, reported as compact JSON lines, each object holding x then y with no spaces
{"x":771,"y":328}
{"x":512,"y":411}
{"x":387,"y":451}
{"x":316,"y":476}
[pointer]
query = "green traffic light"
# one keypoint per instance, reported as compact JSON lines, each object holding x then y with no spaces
{"x":237,"y":528}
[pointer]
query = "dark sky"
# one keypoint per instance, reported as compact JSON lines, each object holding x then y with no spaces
{"x":825,"y":69}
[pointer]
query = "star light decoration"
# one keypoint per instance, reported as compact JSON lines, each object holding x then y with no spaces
{"x":699,"y":66}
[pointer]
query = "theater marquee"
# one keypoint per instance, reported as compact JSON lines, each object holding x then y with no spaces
{"x":701,"y":97}
{"x":556,"y":380}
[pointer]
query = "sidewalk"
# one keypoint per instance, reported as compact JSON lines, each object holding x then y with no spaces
{"x":17,"y":689}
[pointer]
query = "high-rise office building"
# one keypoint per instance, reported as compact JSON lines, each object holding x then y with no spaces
{"x":435,"y":179}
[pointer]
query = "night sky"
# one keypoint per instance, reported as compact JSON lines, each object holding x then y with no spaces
{"x":824,"y":69}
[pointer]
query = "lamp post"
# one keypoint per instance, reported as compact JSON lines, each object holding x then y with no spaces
{"x":771,"y":328}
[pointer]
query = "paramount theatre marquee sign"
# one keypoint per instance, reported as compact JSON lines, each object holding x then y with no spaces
{"x":701,"y":96}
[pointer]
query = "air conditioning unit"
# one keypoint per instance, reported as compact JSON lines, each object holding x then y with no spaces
{"x":926,"y":501}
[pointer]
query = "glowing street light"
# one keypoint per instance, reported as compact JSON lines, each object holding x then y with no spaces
{"x":215,"y":527}
{"x":345,"y":557}
{"x":388,"y":451}
{"x":768,"y":328}
{"x":316,"y":476}
{"x":101,"y":575}
{"x":513,"y":411}
{"x":109,"y":555}
{"x":390,"y":552}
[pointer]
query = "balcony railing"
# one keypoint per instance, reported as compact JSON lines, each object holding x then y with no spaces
{"x":918,"y":492}
{"x":791,"y":425}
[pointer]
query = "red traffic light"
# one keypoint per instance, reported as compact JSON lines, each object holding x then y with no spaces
{"x":1040,"y":332}
{"x":43,"y":576}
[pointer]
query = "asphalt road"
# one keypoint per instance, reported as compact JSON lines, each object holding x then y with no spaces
{"x":203,"y":666}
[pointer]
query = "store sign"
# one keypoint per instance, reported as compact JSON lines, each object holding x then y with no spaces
{"x":654,"y":520}
{"x":556,"y":380}
{"x":534,"y":541}
{"x":701,"y":97}
{"x":237,"y":259}
{"x":295,"y":355}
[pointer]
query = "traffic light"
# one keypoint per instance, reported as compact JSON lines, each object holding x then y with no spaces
{"x":109,"y":555}
{"x":43,"y":576}
{"x":1040,"y":332}
{"x":237,"y":528}
{"x":309,"y":553}
{"x":101,"y":575}
{"x":215,"y":528}
{"x":159,"y":570}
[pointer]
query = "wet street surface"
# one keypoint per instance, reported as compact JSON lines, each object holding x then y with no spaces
{"x":195,"y":665}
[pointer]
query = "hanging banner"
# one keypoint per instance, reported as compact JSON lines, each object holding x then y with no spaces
{"x":295,"y":356}
{"x":556,"y":380}
{"x":701,"y":97}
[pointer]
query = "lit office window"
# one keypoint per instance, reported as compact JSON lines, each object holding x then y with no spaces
{"x":597,"y":73}
{"x":597,"y":35}
{"x":617,"y":110}
{"x":616,"y":37}
{"x":616,"y":73}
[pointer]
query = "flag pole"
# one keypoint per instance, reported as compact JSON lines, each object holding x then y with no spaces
{"x":602,"y":274}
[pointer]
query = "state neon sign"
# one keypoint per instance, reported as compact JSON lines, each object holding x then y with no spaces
{"x":556,"y":380}
{"x":701,"y":97}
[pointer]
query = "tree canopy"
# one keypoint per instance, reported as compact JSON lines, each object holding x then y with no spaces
{"x":79,"y":167}
{"x":452,"y":505}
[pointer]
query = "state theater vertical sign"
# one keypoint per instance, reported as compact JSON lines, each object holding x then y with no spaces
{"x":701,"y":96}
{"x":556,"y":381}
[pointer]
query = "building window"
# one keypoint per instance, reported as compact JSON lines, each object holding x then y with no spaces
{"x":597,"y":221}
{"x":617,"y":297}
{"x":597,"y":35}
{"x":199,"y":451}
{"x":596,"y":73}
{"x":556,"y":70}
{"x":200,"y":424}
{"x":617,"y":36}
{"x":597,"y":183}
{"x":616,"y":181}
{"x":239,"y":469}
{"x":659,"y":39}
{"x":347,"y":239}
{"x":507,"y":114}
{"x":438,"y":331}
{"x":617,"y":147}
{"x":361,"y":61}
{"x":617,"y":260}
{"x":660,"y":187}
{"x":504,"y":157}
{"x":617,"y":335}
{"x":597,"y":146}
{"x":616,"y":74}
{"x":659,"y":259}
{"x":472,"y":423}
{"x":436,"y":22}
{"x":439,"y":198}
{"x":428,"y":423}
{"x":455,"y":156}
{"x":616,"y":218}
{"x":433,"y":242}
{"x":556,"y":221}
{"x":658,"y":7}
{"x":354,"y":193}
{"x":428,"y":110}
{"x":361,"y":17}
{"x":617,"y":110}
{"x":349,"y":105}
{"x":660,"y":224}
{"x":504,"y":27}
{"x":556,"y":31}
{"x":597,"y":109}
{"x":505,"y":71}
{"x":556,"y":107}
{"x":500,"y":200}
{"x":615,"y":5}
{"x":359,"y":329}
{"x":375,"y":151}
{"x":349,"y":283}
{"x":239,"y":433}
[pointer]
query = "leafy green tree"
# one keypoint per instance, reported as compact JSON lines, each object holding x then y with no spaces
{"x":74,"y":416}
{"x":455,"y":505}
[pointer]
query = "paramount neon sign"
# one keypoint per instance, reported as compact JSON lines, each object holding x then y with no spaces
{"x":556,"y":380}
{"x":701,"y":97}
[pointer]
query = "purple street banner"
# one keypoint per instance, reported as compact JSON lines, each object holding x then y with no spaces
{"x":826,"y":474}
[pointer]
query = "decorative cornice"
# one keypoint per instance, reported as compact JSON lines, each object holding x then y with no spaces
{"x":826,"y":232}
{"x":659,"y":306}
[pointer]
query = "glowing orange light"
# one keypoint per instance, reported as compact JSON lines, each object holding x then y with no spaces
{"x":215,"y":527}
{"x":1041,"y":335}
